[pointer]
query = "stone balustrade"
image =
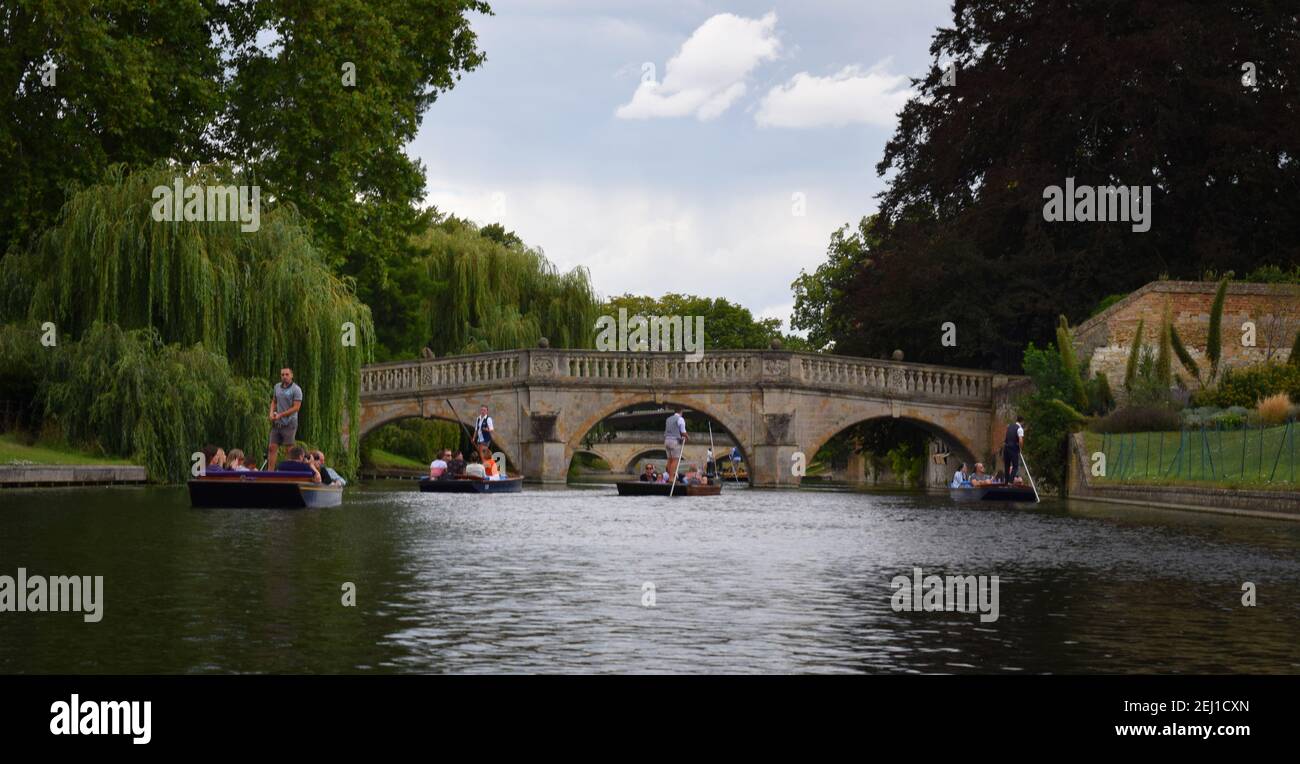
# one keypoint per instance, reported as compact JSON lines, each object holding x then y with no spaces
{"x":716,"y":369}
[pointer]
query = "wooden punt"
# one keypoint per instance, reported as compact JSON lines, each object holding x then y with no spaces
{"x":262,"y":490}
{"x":1022,"y":493}
{"x":472,"y":485}
{"x":639,"y":488}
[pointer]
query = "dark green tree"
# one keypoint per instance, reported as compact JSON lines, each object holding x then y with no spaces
{"x":1108,"y":92}
{"x":324,"y":116}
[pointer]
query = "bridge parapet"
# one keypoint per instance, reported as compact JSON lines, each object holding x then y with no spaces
{"x":717,"y":369}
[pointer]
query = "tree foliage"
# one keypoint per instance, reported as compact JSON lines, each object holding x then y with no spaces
{"x":464,"y":292}
{"x":264,"y":84}
{"x":131,"y":82}
{"x":819,"y":297}
{"x":128,"y":393}
{"x":1113,"y":92}
{"x":263,"y":299}
{"x":727,"y":326}
{"x":1049,"y":421}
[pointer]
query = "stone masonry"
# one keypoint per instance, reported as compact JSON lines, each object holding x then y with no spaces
{"x":1274,"y":309}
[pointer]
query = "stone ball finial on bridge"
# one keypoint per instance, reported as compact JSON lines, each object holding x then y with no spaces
{"x":543,"y":343}
{"x":775,"y":344}
{"x":897,"y":355}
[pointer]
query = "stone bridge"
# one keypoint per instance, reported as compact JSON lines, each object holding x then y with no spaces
{"x":772,"y":403}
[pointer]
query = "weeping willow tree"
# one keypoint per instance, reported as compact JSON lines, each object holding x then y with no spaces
{"x":261,"y":299}
{"x":478,"y":294}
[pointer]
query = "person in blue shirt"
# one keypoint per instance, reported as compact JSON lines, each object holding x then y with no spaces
{"x":299,"y":462}
{"x":962,"y":478}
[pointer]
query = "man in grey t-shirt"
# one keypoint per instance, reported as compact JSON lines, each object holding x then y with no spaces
{"x":286,"y":399}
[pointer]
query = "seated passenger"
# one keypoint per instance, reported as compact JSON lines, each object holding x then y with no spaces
{"x":962,"y":478}
{"x":327,"y":475}
{"x":980,"y":478}
{"x":456,"y":467}
{"x":298,"y":462}
{"x":214,"y":458}
{"x":438,"y":467}
{"x":648,"y":475}
{"x":235,"y":461}
{"x":490,"y":470}
{"x":475,"y":469}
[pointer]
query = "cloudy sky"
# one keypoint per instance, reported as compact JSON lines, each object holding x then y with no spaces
{"x":678,"y":145}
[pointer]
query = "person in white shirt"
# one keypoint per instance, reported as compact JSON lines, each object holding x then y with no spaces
{"x":475,"y":469}
{"x":674,"y":440}
{"x":484,"y":428}
{"x":438,"y":466}
{"x":962,"y":478}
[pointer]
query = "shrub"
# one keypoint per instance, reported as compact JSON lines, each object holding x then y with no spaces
{"x":1275,"y":409}
{"x":1246,"y":387}
{"x":908,"y":467}
{"x":1139,"y":419}
{"x":1048,"y":421}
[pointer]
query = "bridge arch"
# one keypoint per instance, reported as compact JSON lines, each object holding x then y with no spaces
{"x":499,"y":443}
{"x":656,"y":453}
{"x":960,"y":448}
{"x":579,"y":430}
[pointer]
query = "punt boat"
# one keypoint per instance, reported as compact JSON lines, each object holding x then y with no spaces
{"x":472,"y":485}
{"x":639,"y":488}
{"x":1021,"y":493}
{"x":262,"y":490}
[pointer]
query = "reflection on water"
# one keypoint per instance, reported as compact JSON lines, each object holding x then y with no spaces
{"x":752,"y":581}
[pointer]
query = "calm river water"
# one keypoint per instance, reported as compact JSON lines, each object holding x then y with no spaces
{"x":552,"y":581}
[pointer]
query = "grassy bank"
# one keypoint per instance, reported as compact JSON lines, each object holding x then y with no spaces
{"x":377,"y":458}
{"x":13,"y":449}
{"x":1249,"y":458}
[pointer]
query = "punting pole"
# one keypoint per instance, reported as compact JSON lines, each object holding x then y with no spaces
{"x":1032,"y":484}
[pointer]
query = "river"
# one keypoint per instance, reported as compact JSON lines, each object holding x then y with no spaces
{"x":579,"y":580}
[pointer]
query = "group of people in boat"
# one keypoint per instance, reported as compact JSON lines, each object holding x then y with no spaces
{"x":218,"y":460}
{"x":1012,"y":442}
{"x":693,"y":476}
{"x":480,"y":465}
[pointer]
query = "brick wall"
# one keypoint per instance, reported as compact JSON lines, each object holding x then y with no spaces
{"x":1274,"y":309}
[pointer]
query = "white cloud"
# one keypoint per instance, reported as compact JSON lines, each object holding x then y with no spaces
{"x":850,"y":96}
{"x":708,"y":73}
{"x":745,"y":248}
